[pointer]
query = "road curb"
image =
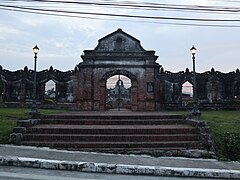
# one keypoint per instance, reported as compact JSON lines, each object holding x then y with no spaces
{"x":118,"y":168}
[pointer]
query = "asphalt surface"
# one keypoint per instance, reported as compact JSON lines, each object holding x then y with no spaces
{"x":178,"y":162}
{"x":20,"y":173}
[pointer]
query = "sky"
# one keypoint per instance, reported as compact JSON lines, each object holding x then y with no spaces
{"x":62,"y":40}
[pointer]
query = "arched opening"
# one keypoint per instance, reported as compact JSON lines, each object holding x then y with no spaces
{"x":119,"y":42}
{"x":50,"y":92}
{"x":187,"y":93}
{"x":118,"y":92}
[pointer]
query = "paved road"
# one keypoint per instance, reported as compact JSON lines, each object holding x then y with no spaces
{"x":12,"y":173}
{"x":46,"y":153}
{"x":19,"y":173}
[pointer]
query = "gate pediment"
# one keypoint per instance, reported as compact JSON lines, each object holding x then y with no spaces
{"x":118,"y":49}
{"x":119,"y":41}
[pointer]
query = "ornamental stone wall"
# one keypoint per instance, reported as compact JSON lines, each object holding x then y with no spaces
{"x":152,"y":88}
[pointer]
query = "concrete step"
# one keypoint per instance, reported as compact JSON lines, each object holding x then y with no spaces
{"x":112,"y":116}
{"x":114,"y":132}
{"x":112,"y":129}
{"x":114,"y":121}
{"x":118,"y":145}
{"x":109,"y":138}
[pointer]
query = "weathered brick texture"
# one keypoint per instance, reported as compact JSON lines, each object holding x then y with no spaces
{"x":116,"y":54}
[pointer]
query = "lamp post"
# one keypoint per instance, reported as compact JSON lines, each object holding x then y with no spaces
{"x":34,"y":111}
{"x":195,"y":110}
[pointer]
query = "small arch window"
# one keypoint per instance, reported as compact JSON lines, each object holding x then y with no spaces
{"x":119,"y":43}
{"x":150,"y":87}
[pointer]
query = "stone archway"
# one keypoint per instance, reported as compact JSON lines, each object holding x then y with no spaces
{"x":134,"y":88}
{"x":118,"y":95}
{"x":117,"y":53}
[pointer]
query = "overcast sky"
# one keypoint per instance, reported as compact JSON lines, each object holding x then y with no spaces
{"x":63,"y":39}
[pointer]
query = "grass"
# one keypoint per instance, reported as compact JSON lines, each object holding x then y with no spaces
{"x":225,"y":127}
{"x":222,"y":121}
{"x":6,"y":127}
{"x":9,"y":116}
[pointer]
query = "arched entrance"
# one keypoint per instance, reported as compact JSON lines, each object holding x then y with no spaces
{"x":50,"y":90}
{"x":187,"y":93}
{"x":120,"y":92}
{"x":117,"y":54}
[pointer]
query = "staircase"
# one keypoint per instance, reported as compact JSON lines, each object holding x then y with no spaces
{"x":112,"y":132}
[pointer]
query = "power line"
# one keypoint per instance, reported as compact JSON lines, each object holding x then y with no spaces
{"x":121,"y":15}
{"x":139,"y":21}
{"x":126,"y":17}
{"x":151,"y":6}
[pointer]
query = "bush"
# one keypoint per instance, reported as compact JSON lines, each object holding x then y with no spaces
{"x":230,"y":146}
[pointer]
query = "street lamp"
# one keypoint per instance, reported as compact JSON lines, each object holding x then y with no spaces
{"x":34,"y":111}
{"x":195,"y":110}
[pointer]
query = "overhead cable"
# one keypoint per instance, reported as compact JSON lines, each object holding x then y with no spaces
{"x":120,"y":15}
